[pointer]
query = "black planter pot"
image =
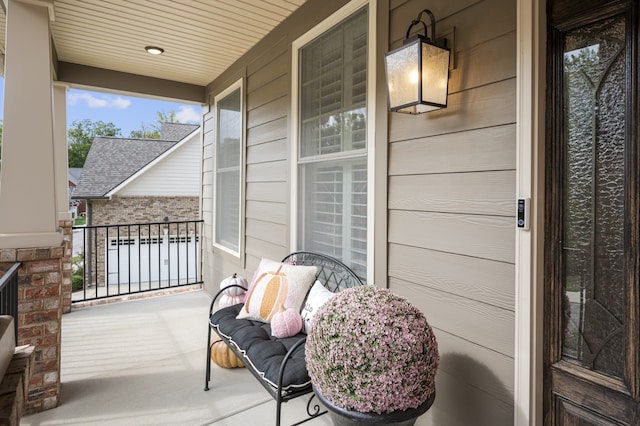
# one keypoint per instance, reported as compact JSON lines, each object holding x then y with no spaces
{"x":342,"y":417}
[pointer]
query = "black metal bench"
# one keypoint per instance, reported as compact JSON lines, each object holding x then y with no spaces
{"x":278,"y":364}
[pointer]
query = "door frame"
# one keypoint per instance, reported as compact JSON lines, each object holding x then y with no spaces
{"x":529,"y":246}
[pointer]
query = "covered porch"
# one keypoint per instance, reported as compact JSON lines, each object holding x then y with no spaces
{"x":429,"y":199}
{"x":142,"y":362}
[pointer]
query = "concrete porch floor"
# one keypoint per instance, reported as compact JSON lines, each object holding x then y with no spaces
{"x":141,"y":362}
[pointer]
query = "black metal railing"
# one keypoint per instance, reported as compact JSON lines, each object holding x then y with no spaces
{"x":115,"y":260}
{"x":9,"y":295}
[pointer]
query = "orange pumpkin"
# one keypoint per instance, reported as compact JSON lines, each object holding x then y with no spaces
{"x":223,"y":356}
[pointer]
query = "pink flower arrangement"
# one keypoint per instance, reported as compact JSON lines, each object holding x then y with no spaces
{"x":370,"y":350}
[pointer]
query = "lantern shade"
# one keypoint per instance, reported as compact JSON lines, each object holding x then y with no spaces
{"x":417,"y":76}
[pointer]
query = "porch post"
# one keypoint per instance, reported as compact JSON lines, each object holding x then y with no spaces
{"x":30,"y":198}
{"x":28,"y":211}
{"x":61,"y":168}
{"x":61,"y":164}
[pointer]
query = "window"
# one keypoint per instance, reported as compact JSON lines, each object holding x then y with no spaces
{"x":332,"y":138}
{"x":228,"y":160}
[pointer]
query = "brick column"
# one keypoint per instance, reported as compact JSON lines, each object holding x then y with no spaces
{"x":39,"y":318}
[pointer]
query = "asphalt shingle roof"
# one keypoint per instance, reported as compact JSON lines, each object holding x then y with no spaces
{"x":176,"y":131}
{"x":74,"y":174}
{"x":113,"y":160}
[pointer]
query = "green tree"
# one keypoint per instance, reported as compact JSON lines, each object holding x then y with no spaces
{"x":169,"y":117}
{"x":153,"y":131}
{"x":145,"y":132}
{"x":80,"y":137}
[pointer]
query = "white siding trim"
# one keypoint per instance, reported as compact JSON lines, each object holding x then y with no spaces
{"x":298,"y":44}
{"x":529,"y":341}
{"x":239,"y":84}
{"x":161,"y":157}
{"x":372,"y":82}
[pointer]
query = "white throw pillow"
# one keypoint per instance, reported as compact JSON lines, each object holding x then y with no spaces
{"x":318,"y":296}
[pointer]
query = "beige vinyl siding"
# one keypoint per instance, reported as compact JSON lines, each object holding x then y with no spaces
{"x":266,"y":69}
{"x":268,"y":100}
{"x":451,"y":233}
{"x":178,"y":174}
{"x":449,"y":236}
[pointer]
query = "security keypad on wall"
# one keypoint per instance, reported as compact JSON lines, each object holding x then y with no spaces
{"x":522,"y":213}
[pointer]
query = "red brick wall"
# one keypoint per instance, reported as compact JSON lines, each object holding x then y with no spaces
{"x":120,"y":210}
{"x":41,"y":276}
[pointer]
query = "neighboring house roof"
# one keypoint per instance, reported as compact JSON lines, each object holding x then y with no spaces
{"x":176,"y":131}
{"x":74,"y":174}
{"x":112,"y":160}
{"x":113,"y":163}
{"x":175,"y":172}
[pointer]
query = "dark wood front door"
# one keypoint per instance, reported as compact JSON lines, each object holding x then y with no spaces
{"x":592,"y":374}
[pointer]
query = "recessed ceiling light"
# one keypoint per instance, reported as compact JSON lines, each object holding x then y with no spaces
{"x":154,"y":50}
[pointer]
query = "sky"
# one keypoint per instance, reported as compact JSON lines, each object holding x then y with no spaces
{"x":126,"y":112}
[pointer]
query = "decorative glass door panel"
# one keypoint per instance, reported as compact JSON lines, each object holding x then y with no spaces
{"x":594,"y":200}
{"x":592,"y":224}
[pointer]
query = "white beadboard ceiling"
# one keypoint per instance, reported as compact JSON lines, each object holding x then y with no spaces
{"x":201,"y":38}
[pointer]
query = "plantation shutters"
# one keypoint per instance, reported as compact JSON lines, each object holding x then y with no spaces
{"x":332,"y":144}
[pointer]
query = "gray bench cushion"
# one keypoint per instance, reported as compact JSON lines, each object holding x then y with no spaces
{"x":263,"y":351}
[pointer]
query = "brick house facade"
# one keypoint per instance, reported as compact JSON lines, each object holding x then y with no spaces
{"x":138,"y":181}
{"x":137,"y":210}
{"x":128,"y":209}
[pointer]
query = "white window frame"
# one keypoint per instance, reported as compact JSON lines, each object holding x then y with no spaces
{"x":337,"y":17}
{"x":239,"y":84}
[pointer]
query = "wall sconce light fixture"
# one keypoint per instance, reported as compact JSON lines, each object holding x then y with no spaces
{"x":418,"y":72}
